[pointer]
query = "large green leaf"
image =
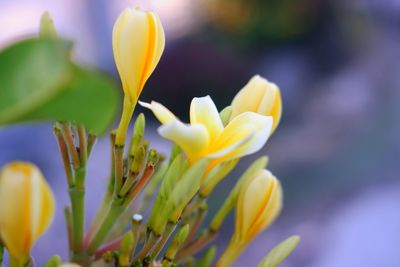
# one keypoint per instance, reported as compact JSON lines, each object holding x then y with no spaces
{"x":39,"y":82}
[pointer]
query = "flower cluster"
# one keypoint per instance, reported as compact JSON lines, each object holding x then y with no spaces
{"x":125,"y":230}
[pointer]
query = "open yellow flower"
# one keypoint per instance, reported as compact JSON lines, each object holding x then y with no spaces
{"x":138,"y":42}
{"x":26,"y":209}
{"x":258,"y":205}
{"x":260,"y":96}
{"x":206,"y":137}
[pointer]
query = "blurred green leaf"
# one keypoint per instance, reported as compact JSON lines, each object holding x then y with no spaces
{"x":39,"y":82}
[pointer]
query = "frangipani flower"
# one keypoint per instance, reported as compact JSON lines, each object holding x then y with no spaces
{"x":26,"y":209}
{"x":138,"y":42}
{"x":259,"y":203}
{"x":206,"y":136}
{"x":260,"y":96}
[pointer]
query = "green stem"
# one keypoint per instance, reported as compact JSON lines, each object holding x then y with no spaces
{"x":14,"y":262}
{"x":68,"y":222}
{"x":77,"y":197}
{"x":196,"y":245}
{"x":115,"y":210}
{"x":64,"y":155}
{"x":166,"y":235}
{"x":83,"y":144}
{"x":148,"y":246}
{"x":101,"y":212}
{"x":119,"y":168}
{"x":126,"y":116}
{"x":1,"y":253}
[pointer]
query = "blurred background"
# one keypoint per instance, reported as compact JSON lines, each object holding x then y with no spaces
{"x":337,"y":150}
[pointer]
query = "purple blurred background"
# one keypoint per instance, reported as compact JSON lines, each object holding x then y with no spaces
{"x":337,"y":150}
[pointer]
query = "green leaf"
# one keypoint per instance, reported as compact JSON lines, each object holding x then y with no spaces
{"x":279,"y":253}
{"x":39,"y":82}
{"x":31,"y":73}
{"x":88,"y":98}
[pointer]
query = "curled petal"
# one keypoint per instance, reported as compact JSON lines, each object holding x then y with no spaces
{"x":193,"y":139}
{"x":246,"y":134}
{"x":161,"y":112}
{"x":203,"y":111}
{"x":260,"y":96}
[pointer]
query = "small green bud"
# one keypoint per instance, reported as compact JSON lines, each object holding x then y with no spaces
{"x":127,"y":244}
{"x":108,"y":257}
{"x":157,"y":221}
{"x":153,"y":157}
{"x":47,"y":28}
{"x":155,"y":180}
{"x":225,"y":115}
{"x":279,"y":253}
{"x":182,"y":234}
{"x":207,"y":258}
{"x":177,"y":241}
{"x":54,"y":261}
{"x":138,"y":161}
{"x":138,"y":133}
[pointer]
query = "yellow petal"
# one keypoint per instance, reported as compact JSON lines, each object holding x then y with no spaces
{"x":203,"y":111}
{"x":249,"y":97}
{"x":193,"y":139}
{"x":270,"y":212}
{"x":252,"y":201}
{"x":250,"y":127}
{"x":26,"y":207}
{"x":155,"y":48}
{"x":130,"y":35}
{"x":260,"y":96}
{"x":138,"y":42}
{"x":161,"y":112}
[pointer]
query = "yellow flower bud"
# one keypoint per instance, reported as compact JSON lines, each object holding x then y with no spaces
{"x":138,"y":42}
{"x":259,"y":96}
{"x":259,"y":203}
{"x":26,"y":209}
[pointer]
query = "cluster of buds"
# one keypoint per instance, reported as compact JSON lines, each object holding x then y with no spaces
{"x":125,"y":232}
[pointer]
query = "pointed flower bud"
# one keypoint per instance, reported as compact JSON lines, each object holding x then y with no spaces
{"x":208,"y":257}
{"x":260,"y":96}
{"x":26,"y":209}
{"x":177,"y":241}
{"x":138,"y":42}
{"x":259,"y":203}
{"x":279,"y":253}
{"x":47,"y":28}
{"x":54,"y":261}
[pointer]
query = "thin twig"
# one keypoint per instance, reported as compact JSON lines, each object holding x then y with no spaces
{"x":197,"y":245}
{"x":69,"y":141}
{"x":82,"y":144}
{"x":68,"y":222}
{"x":64,"y":155}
